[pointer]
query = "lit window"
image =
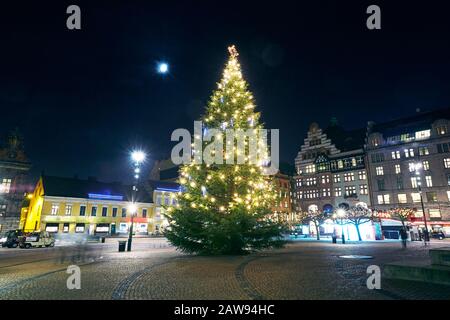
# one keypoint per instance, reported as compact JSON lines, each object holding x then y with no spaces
{"x":429,"y":181}
{"x":379,"y":171}
{"x":415,"y":197}
{"x":350,"y":191}
{"x":414,"y":183}
{"x":409,"y":153}
{"x":337,"y":178}
{"x":425,"y":165}
{"x":363,"y":189}
{"x":395,"y":154}
{"x":5,"y":186}
{"x":55,"y":209}
{"x":398,"y":170}
{"x":447,"y":163}
{"x":423,"y":151}
{"x":424,"y":134}
{"x":310,"y":168}
{"x":338,"y":192}
{"x":68,"y":209}
{"x":434,"y":213}
{"x":412,"y":167}
{"x":349,"y":177}
{"x":402,"y":198}
{"x":362,"y":175}
{"x":380,"y":199}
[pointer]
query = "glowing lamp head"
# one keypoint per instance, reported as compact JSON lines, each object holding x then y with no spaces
{"x":163,"y":67}
{"x":138,"y":156}
{"x":132,"y":208}
{"x":340,"y":213}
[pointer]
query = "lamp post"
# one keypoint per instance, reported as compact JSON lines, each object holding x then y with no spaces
{"x":340,"y":214}
{"x":138,"y":158}
{"x":417,"y":168}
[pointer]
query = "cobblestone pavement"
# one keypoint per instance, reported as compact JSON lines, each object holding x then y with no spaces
{"x":155,"y":270}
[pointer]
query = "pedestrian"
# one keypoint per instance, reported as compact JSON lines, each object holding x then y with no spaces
{"x":404,"y":237}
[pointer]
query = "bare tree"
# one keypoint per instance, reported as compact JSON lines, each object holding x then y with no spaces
{"x":359,"y":215}
{"x":317,"y":217}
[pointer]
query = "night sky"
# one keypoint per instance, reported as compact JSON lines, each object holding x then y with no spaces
{"x":83,"y":99}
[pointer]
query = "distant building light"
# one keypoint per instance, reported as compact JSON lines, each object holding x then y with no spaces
{"x":104,"y":196}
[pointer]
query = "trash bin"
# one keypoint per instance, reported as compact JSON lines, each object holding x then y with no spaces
{"x":122,"y":245}
{"x":103,"y":239}
{"x":334,"y":239}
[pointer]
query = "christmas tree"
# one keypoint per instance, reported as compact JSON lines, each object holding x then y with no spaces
{"x":225,"y":207}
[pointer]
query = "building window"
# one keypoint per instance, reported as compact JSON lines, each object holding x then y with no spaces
{"x":299,"y":182}
{"x":431,"y":196}
{"x":144,"y":213}
{"x":338,"y":192}
{"x":443,"y":147}
{"x":363,"y":189}
{"x":311,"y":181}
{"x":310,"y":168}
{"x":414,"y":183}
{"x":104,"y":211}
{"x":409,"y":153}
{"x":349,"y":177}
{"x":441,"y":130}
{"x":350,"y":191}
{"x":434,"y":213}
{"x":380,"y":183}
{"x":337,"y":178}
{"x":362,"y":175}
{"x":423,"y":151}
{"x":325,"y":179}
{"x":426,"y":165}
{"x":326,"y":192}
{"x":402,"y":198}
{"x":429,"y":181}
{"x":412,"y":167}
{"x":415,"y":197}
{"x":93,"y":211}
{"x":399,"y":182}
{"x":379,"y":171}
{"x":166,"y":201}
{"x":315,"y":142}
{"x":68,"y":209}
{"x":124,"y":212}
{"x":5,"y":186}
{"x":55,"y":209}
{"x":377,"y":157}
{"x":114,"y":212}
{"x":448,"y":195}
{"x":383,"y":199}
{"x":395,"y":154}
{"x":82,"y":210}
{"x":397,"y":169}
{"x":424,"y":134}
{"x":447,"y":163}
{"x":158,"y":200}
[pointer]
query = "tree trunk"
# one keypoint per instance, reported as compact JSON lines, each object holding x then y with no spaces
{"x":359,"y":233}
{"x":317,"y":230}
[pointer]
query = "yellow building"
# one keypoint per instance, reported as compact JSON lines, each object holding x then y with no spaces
{"x":164,"y":195}
{"x":75,"y":206}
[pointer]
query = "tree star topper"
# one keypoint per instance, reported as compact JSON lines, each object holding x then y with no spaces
{"x":233,"y":52}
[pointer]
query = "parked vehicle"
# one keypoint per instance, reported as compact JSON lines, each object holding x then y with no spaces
{"x":11,"y":238}
{"x":438,"y":235}
{"x":37,"y":239}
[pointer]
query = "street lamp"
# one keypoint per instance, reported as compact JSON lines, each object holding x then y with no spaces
{"x":138,"y":157}
{"x":340,"y":214}
{"x":417,"y":168}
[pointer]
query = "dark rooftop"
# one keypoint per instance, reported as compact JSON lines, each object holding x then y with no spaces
{"x":78,"y":188}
